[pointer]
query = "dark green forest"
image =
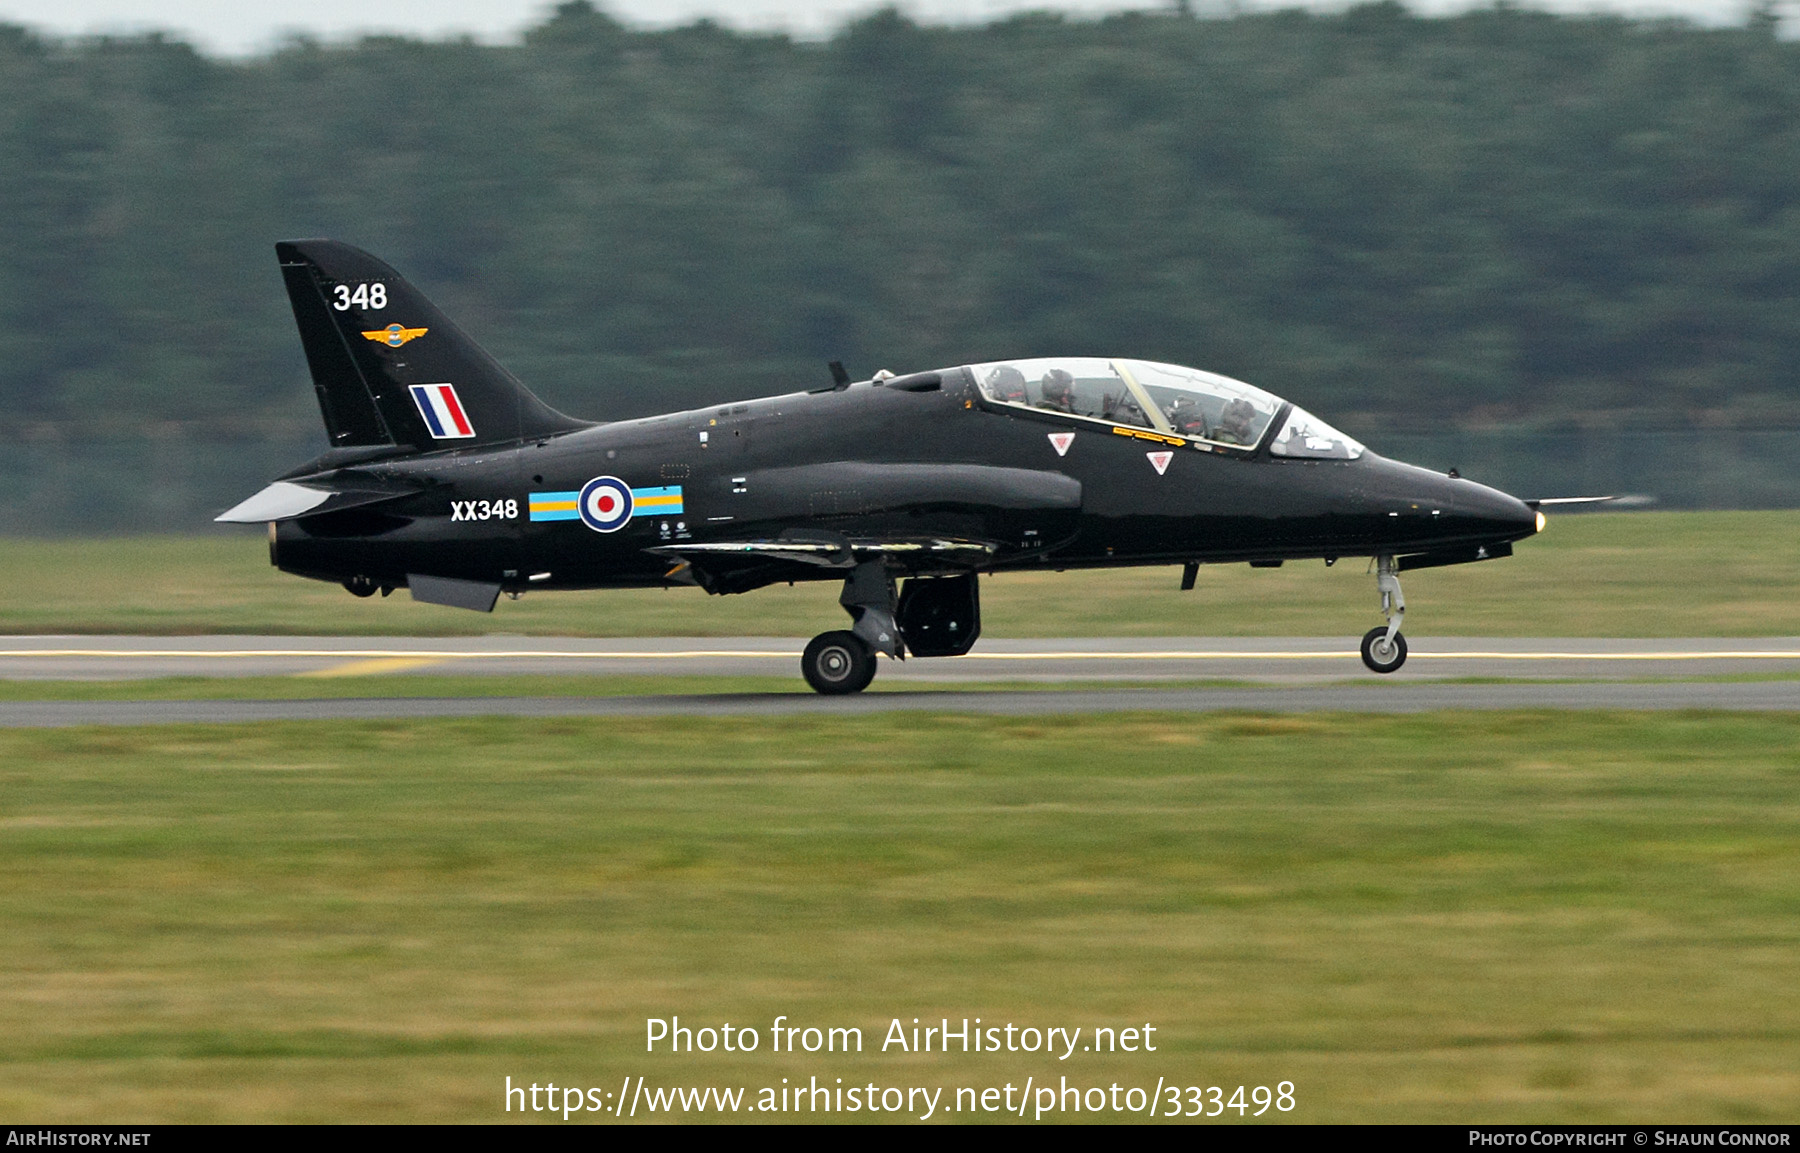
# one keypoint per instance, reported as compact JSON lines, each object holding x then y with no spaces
{"x":1501,"y":219}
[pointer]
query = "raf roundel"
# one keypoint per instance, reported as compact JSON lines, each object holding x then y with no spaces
{"x":605,"y":504}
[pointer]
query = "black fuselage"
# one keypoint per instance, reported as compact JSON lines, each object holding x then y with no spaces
{"x":871,"y":463}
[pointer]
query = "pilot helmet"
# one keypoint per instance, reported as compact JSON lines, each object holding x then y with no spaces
{"x":1007,"y":383}
{"x":1057,"y":384}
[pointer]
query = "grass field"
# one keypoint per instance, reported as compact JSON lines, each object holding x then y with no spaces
{"x":1436,"y":918}
{"x":1621,"y":574}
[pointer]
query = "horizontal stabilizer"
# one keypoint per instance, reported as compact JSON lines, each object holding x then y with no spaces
{"x":285,"y":500}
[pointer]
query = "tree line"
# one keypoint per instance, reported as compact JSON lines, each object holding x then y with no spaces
{"x":1503,"y":217}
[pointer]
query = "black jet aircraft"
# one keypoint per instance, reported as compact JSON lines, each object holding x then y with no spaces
{"x":447,"y":477}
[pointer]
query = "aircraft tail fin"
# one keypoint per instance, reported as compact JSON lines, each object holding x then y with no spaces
{"x":389,"y":368}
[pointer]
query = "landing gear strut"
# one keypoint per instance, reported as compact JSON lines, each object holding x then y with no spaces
{"x":1384,"y":649}
{"x":837,"y":663}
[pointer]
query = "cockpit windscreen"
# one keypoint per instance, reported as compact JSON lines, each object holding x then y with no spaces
{"x":1305,"y":435}
{"x":1187,"y":402}
{"x":1077,"y":385}
{"x":1205,"y":405}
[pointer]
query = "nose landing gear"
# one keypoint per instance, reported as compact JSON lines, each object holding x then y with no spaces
{"x":1384,"y":649}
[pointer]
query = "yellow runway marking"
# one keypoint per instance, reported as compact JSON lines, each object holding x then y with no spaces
{"x":1723,"y":655}
{"x":386,"y":654}
{"x":429,"y":656}
{"x":1744,"y":654}
{"x":374,"y":667}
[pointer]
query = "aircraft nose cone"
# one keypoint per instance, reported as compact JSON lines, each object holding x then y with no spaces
{"x":1509,"y":517}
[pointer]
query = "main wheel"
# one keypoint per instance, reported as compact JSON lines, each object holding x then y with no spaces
{"x":838,"y":663}
{"x":1380,"y":655}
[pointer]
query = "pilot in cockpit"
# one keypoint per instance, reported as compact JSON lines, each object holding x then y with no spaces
{"x":1123,"y":409}
{"x":1236,"y":423}
{"x":1187,"y":417}
{"x":1058,"y":391}
{"x":1008,"y":384}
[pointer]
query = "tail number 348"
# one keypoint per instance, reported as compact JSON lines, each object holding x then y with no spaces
{"x":369,"y":296}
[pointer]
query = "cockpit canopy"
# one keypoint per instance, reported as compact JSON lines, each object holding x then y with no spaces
{"x":1203,"y":407}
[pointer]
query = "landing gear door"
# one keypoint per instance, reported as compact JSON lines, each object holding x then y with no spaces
{"x":940,"y":616}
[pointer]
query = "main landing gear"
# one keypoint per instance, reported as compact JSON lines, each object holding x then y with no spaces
{"x":837,"y":663}
{"x":936,"y":616}
{"x":1384,"y":649}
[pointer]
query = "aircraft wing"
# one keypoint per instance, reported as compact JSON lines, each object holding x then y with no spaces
{"x":828,"y":554}
{"x":741,"y":565}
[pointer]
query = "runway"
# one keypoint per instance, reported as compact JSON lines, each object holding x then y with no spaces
{"x":1768,"y":696}
{"x":1269,"y":675}
{"x":1284,"y":660}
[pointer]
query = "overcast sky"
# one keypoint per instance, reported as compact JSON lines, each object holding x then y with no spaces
{"x":246,"y":26}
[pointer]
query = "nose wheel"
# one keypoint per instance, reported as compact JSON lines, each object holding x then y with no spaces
{"x":838,"y":663}
{"x":1384,"y":649}
{"x":1381,"y":653}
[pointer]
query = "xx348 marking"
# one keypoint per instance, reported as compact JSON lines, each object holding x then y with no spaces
{"x":484,"y":509}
